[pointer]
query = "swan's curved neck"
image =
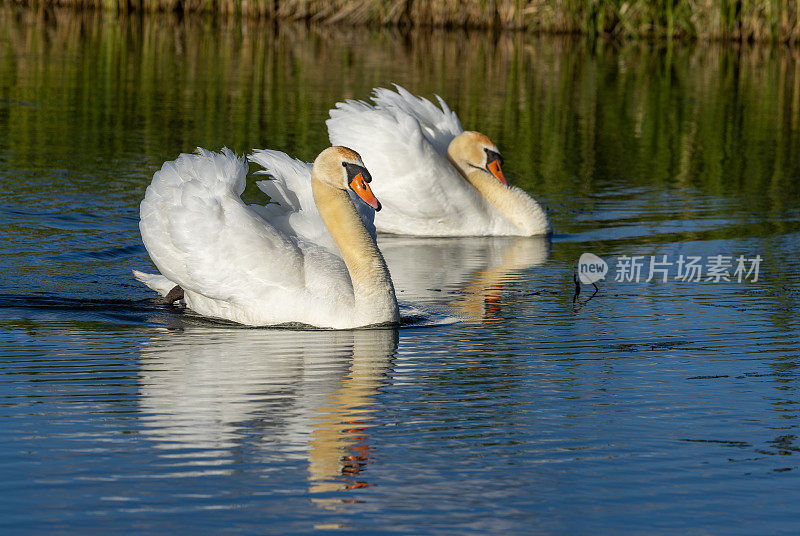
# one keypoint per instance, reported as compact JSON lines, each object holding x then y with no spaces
{"x":373,"y":290}
{"x":517,"y":206}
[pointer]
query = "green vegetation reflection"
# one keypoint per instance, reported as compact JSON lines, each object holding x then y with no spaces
{"x":572,"y":116}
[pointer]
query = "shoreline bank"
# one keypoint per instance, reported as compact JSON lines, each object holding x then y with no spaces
{"x":775,"y":21}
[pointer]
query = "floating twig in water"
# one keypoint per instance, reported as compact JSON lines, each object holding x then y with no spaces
{"x":578,"y":288}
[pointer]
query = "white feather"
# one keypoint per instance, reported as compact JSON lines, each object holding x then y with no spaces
{"x":439,"y":126}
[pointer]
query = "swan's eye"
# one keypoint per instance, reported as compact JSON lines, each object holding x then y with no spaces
{"x":492,"y":156}
{"x":494,"y":165}
{"x":354,"y":169}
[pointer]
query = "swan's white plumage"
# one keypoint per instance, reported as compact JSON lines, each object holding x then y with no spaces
{"x":403,"y":141}
{"x":244,"y":263}
{"x":439,"y":124}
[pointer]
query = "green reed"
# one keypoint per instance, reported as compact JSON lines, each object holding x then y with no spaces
{"x":743,"y":20}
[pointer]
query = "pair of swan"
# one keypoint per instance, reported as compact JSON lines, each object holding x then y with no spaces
{"x":310,"y":256}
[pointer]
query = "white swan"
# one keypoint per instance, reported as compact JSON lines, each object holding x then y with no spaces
{"x":433,"y":178}
{"x":269,"y":265}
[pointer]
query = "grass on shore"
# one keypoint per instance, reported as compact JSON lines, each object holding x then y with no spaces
{"x":740,"y":20}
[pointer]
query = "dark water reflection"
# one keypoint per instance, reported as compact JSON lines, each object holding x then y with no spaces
{"x":471,"y":272}
{"x":506,"y":404}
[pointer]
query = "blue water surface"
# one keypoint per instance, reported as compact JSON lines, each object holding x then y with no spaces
{"x":504,"y":403}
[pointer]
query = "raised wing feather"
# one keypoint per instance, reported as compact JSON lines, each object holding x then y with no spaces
{"x":201,"y":235}
{"x":290,"y":184}
{"x":439,"y":125}
{"x":292,"y":207}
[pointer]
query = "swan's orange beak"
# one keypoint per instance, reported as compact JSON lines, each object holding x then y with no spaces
{"x":493,"y":166}
{"x":359,"y":179}
{"x":362,"y":189}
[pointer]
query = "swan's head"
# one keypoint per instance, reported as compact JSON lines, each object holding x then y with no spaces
{"x":473,"y":150}
{"x":342,"y":168}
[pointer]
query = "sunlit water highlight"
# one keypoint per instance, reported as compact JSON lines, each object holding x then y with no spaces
{"x":504,"y":403}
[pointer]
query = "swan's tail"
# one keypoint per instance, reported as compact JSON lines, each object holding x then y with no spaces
{"x":157,"y":282}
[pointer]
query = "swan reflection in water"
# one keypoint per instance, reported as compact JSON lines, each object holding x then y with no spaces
{"x":308,"y":395}
{"x":466,"y":275}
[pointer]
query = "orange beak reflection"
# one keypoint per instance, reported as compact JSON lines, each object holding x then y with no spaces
{"x":362,"y":189}
{"x":494,"y":169}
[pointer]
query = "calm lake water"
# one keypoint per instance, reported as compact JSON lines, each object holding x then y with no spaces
{"x":505,"y":404}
